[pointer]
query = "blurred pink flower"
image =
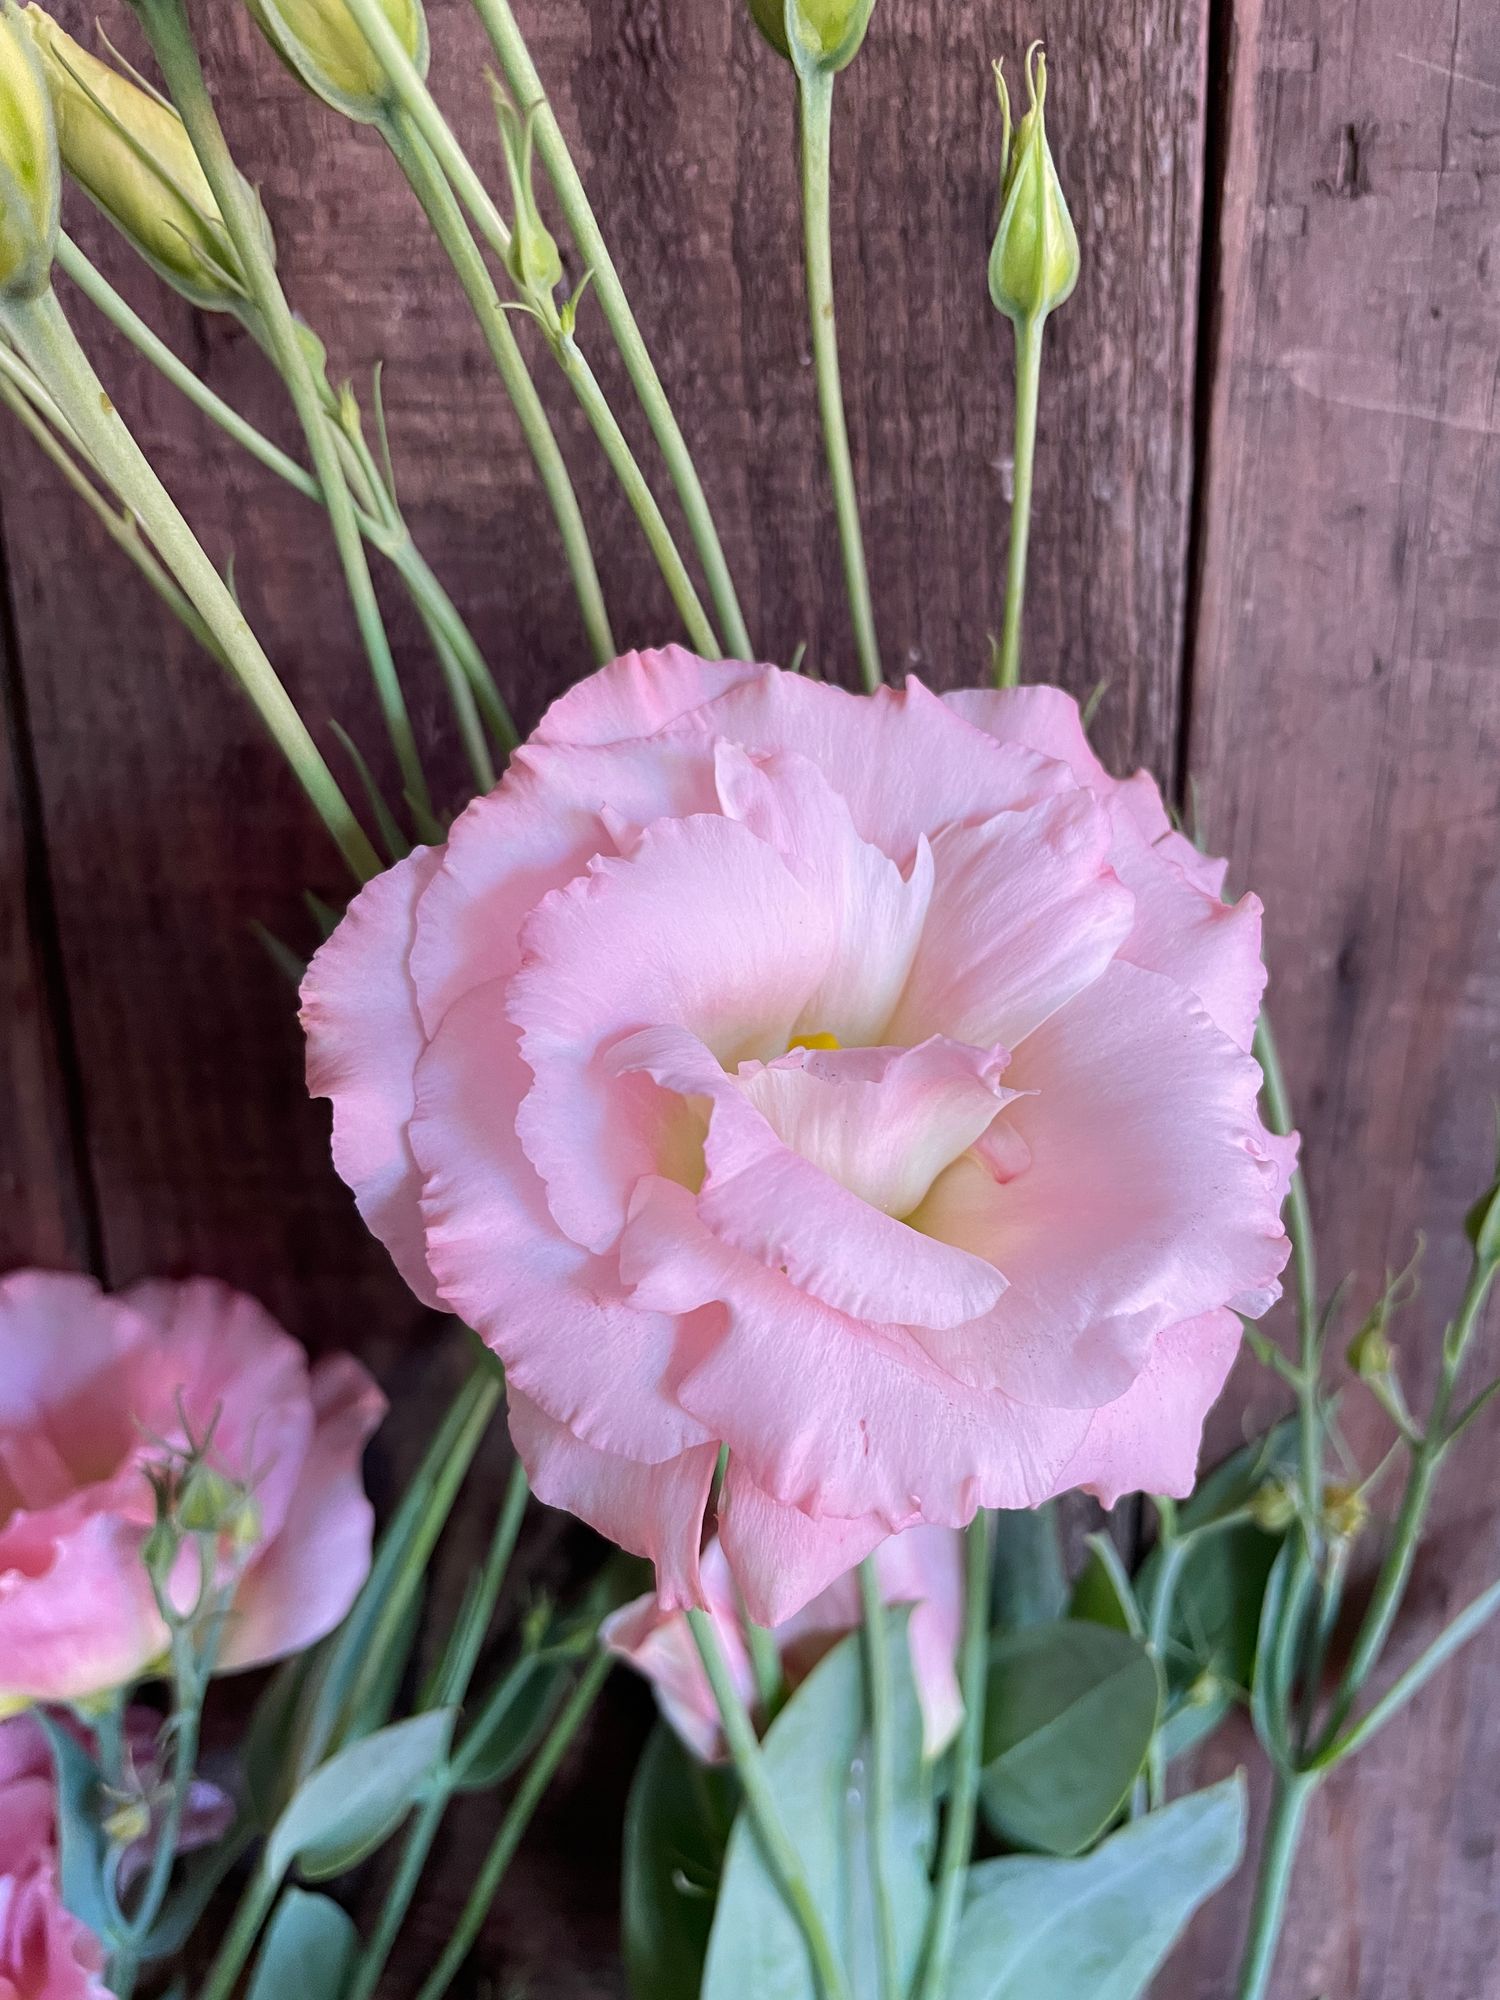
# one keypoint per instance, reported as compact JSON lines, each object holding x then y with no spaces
{"x":862,"y":1083}
{"x":45,"y":1954}
{"x":94,"y":1393}
{"x":922,"y":1568}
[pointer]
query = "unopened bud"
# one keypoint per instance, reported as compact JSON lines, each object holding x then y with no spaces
{"x":1273,"y":1507}
{"x":127,"y":1823}
{"x":1370,"y":1353}
{"x":130,"y":153}
{"x":1483,"y":1226}
{"x":28,"y":165}
{"x":533,"y":259}
{"x":325,"y":48}
{"x":207,"y":1501}
{"x":814,"y":34}
{"x":1034,"y":264}
{"x":1204,"y":1689}
{"x":1345,"y":1512}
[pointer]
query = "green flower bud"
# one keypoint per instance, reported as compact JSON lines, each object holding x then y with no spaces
{"x":128,"y":150}
{"x":1370,"y":1353}
{"x":28,"y":165}
{"x":814,"y":34}
{"x":325,"y":48}
{"x":1346,"y":1512}
{"x":1034,"y":264}
{"x":533,"y":259}
{"x":1482,"y":1224}
{"x":1273,"y":1507}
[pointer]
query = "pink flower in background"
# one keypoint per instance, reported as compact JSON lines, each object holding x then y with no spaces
{"x":922,"y":1568}
{"x":95,"y":1392}
{"x":862,"y":1083}
{"x":45,"y":1954}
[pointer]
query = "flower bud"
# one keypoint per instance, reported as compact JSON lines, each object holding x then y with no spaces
{"x":1345,"y":1512}
{"x":1482,"y":1225}
{"x":533,"y":259}
{"x":1370,"y":1354}
{"x":1034,"y":264}
{"x":1273,"y":1507}
{"x":325,"y":48}
{"x":28,"y":165}
{"x":128,"y":150}
{"x":814,"y":34}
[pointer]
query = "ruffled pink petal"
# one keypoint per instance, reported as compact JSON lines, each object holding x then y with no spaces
{"x":903,"y":762}
{"x":654,"y":1511}
{"x":556,"y":1315}
{"x":767,"y":1199}
{"x":1148,"y":1441}
{"x":83,"y":1624}
{"x":1151,"y":1196}
{"x":660,"y":1645}
{"x":364,"y":1035}
{"x":67,"y":1354}
{"x":45,"y":1952}
{"x":304,"y":1582}
{"x":704,"y":928}
{"x":874,"y":1426}
{"x":638,"y":694}
{"x":1026,"y":912}
{"x":780,"y":1557}
{"x":871,"y":913}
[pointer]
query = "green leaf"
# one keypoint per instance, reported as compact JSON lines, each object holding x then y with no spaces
{"x":816,"y":1758}
{"x":1069,"y":1716}
{"x":676,"y":1830}
{"x":355,"y":1801}
{"x":1031,"y":1586}
{"x":1103,"y":1593}
{"x":309,"y":1950}
{"x":1099,"y":1928}
{"x":82,"y":1848}
{"x":512,"y":1721}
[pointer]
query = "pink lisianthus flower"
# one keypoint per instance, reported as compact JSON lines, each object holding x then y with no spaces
{"x":922,"y":1568}
{"x":97,"y":1395}
{"x":862,"y":1083}
{"x":45,"y":1953}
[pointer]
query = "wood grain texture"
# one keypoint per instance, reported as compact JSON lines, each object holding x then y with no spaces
{"x":1346,"y":752}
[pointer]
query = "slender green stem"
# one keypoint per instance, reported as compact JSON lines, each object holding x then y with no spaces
{"x":118,"y":523}
{"x":765,"y":1664}
{"x":526,"y":88}
{"x":390,"y":536}
{"x":48,"y":345}
{"x":1290,"y":1797}
{"x":624,"y":465}
{"x":453,"y":1685}
{"x":166,"y":27}
{"x":239,"y":1940}
{"x":1299,"y":1227}
{"x":413,"y":155}
{"x":816,"y":92}
{"x":776,"y":1844}
{"x":513,"y":1827}
{"x":1462,"y":1629}
{"x":1172,"y":1551}
{"x":878,"y":1697}
{"x":963,"y":1794}
{"x":1029,"y":336}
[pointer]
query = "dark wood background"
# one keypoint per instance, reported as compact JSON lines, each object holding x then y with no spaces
{"x":1268,"y":516}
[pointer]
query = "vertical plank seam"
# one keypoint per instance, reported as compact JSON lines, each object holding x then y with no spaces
{"x":1218,"y":96}
{"x":42,"y":921}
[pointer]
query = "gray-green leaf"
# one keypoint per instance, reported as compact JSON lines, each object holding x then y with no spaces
{"x":1069,"y":1716}
{"x":355,"y":1801}
{"x":309,"y":1950}
{"x":817,"y":1760}
{"x":1098,"y":1928}
{"x":676,"y":1829}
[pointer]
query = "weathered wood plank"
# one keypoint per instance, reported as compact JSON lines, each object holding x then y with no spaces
{"x":1345,"y":747}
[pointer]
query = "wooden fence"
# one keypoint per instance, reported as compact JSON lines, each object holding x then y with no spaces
{"x":1268,"y":519}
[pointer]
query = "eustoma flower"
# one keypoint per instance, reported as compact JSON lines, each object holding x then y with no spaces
{"x":862,"y":1083}
{"x":922,"y":1568}
{"x":101,"y":1399}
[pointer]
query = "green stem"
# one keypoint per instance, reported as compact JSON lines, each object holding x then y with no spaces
{"x":391,"y":537}
{"x":776,"y":1844}
{"x":1291,"y":1794}
{"x":963,"y":1795}
{"x":1173,"y":1550}
{"x":526,"y":88}
{"x":48,"y":344}
{"x":166,"y":27}
{"x":765,"y":1664}
{"x":239,"y":1940}
{"x":456,"y":1675}
{"x":816,"y":93}
{"x":513,"y":1827}
{"x":1299,"y":1227}
{"x":1029,"y":334}
{"x":413,"y":154}
{"x":878,"y":1695}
